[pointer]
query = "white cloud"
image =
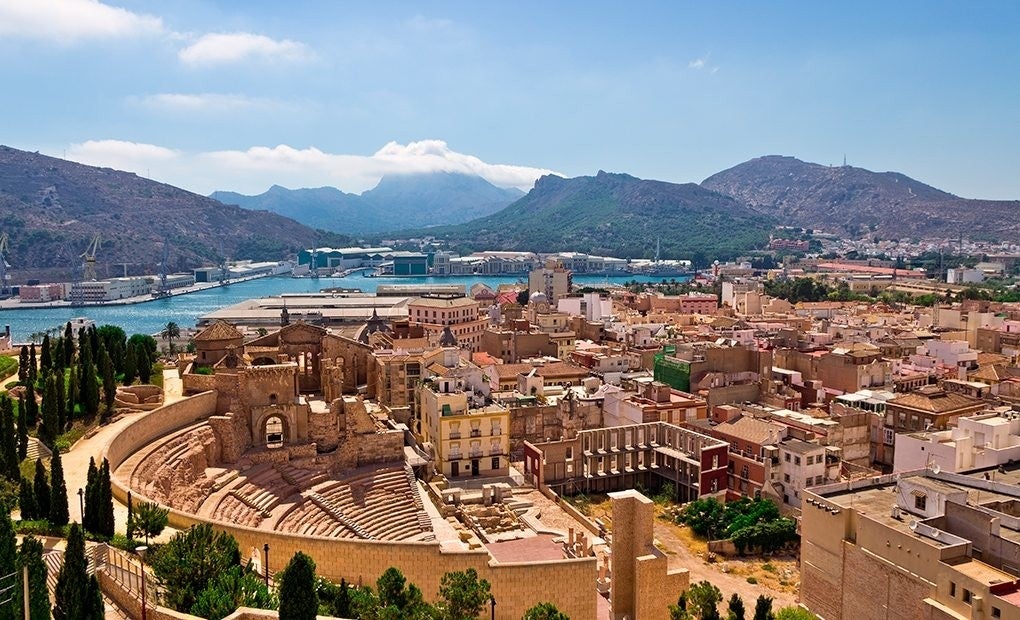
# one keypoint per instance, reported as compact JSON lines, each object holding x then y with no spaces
{"x":253,"y":170}
{"x":204,"y":102}
{"x":225,"y":48}
{"x":427,"y":24}
{"x":704,"y":63}
{"x":66,"y":21}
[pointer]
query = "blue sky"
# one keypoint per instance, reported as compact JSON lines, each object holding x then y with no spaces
{"x":241,"y":95}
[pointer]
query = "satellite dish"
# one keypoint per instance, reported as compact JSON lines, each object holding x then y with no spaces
{"x":913,"y":525}
{"x":936,"y":468}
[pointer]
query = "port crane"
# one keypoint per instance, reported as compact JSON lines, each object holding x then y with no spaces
{"x":163,"y":290}
{"x":5,"y":277}
{"x":90,"y":259}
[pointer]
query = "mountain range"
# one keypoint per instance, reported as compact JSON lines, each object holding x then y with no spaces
{"x":617,"y":215}
{"x":51,"y":208}
{"x":855,"y":201}
{"x":398,"y":201}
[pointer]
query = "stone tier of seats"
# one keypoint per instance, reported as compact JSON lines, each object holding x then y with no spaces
{"x":252,"y":497}
{"x":163,"y":467}
{"x":374,"y":505}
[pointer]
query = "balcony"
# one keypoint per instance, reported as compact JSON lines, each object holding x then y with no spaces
{"x":476,"y":432}
{"x":454,"y":456}
{"x":476,"y":453}
{"x":455,"y":435}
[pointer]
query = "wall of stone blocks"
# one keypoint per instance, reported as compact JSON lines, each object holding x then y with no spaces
{"x":875,"y":589}
{"x":516,"y":587}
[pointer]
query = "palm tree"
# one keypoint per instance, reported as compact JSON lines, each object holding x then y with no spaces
{"x":171,"y":331}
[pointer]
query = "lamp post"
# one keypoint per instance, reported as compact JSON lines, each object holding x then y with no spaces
{"x":81,"y":504}
{"x":130,"y":530}
{"x":141,"y":556}
{"x":492,"y":604}
{"x":265,"y":559}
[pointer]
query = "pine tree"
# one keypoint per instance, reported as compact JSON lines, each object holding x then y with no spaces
{"x":109,"y":387}
{"x":130,"y":364}
{"x":298,"y":599}
{"x":23,"y":365}
{"x":46,"y":358}
{"x":735,"y":608}
{"x":22,"y":430}
{"x":26,"y":501}
{"x":41,"y":486}
{"x":58,"y":492}
{"x":31,"y":556}
{"x":33,"y":369}
{"x":75,"y":593}
{"x":9,"y":439}
{"x":50,"y":428}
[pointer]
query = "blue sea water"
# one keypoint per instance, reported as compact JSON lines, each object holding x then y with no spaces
{"x":150,"y":317}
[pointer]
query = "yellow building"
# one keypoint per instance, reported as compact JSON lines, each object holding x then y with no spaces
{"x":470,"y":438}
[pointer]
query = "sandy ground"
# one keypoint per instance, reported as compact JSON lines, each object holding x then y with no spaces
{"x":778,"y":577}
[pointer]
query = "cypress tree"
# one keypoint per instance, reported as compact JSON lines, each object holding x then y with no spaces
{"x":88,"y":518}
{"x":50,"y":428}
{"x":31,"y":406}
{"x":9,"y":439}
{"x":58,"y":492}
{"x":9,"y":575}
{"x":58,"y":404}
{"x":23,"y":364}
{"x":22,"y":430}
{"x":33,"y":370}
{"x":298,"y":599}
{"x":109,"y":387}
{"x":74,"y":595}
{"x":46,"y":357}
{"x":144,"y":363}
{"x":68,"y":342}
{"x":31,"y":556}
{"x":104,"y":493}
{"x":26,"y":501}
{"x":72,"y":393}
{"x":42,"y":491}
{"x":130,"y":364}
{"x":57,"y":353}
{"x":94,"y":342}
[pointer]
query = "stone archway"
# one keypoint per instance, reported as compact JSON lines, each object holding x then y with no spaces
{"x":274,"y":429}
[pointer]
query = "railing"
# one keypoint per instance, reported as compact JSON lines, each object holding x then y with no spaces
{"x":476,"y":453}
{"x":126,"y":570}
{"x":454,"y":435}
{"x":476,"y":432}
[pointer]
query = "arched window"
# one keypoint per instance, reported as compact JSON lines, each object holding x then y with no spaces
{"x":274,"y":432}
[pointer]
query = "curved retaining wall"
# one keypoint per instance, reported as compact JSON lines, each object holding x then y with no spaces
{"x":569,"y":584}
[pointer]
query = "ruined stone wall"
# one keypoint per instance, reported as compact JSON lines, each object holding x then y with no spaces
{"x":324,"y":429}
{"x":358,"y":364}
{"x":232,"y":434}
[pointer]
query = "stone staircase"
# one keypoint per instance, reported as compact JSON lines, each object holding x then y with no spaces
{"x":334,"y":511}
{"x":36,"y":449}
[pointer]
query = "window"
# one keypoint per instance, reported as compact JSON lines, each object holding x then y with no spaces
{"x":996,"y":612}
{"x":921,"y":503}
{"x":966,"y":596}
{"x":952,"y":589}
{"x":715,"y":461}
{"x":810,"y":460}
{"x":787,"y":455}
{"x":786,"y":477}
{"x":495,"y":462}
{"x":796,"y":460}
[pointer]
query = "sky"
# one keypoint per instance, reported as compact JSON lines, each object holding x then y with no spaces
{"x":243,"y":95}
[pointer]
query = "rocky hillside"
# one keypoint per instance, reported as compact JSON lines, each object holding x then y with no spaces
{"x":398,"y":201}
{"x":51,"y":208}
{"x":856,"y":201}
{"x":618,"y":215}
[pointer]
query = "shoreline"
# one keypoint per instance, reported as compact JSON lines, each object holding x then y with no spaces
{"x":15,"y":304}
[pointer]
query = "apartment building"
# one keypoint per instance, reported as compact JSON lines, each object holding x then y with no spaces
{"x":469,"y":436}
{"x":456,"y":313}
